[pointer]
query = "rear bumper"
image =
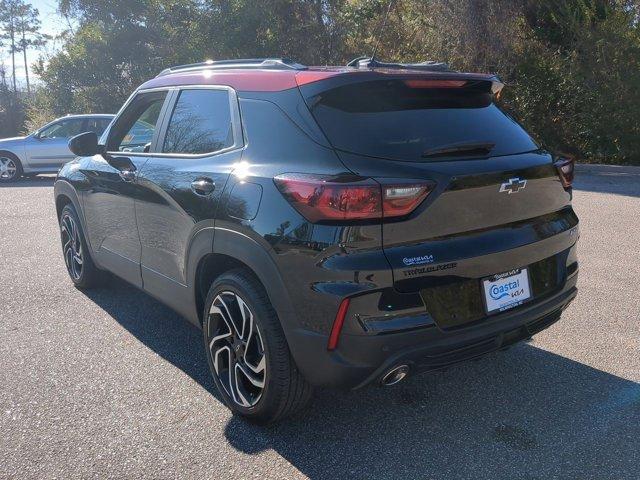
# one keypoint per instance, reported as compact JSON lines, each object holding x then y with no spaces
{"x":363,"y":359}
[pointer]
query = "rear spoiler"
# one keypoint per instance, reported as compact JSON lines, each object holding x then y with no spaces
{"x":306,"y":77}
{"x":428,"y":66}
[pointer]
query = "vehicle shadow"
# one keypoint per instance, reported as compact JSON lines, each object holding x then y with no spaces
{"x":37,"y":181}
{"x":158,"y":327}
{"x":525,"y":413}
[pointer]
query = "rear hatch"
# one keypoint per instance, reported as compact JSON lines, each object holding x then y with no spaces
{"x":498,"y":203}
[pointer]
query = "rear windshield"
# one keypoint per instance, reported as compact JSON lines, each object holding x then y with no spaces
{"x":395,"y":119}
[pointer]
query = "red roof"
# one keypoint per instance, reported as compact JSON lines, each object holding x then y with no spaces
{"x":276,"y":80}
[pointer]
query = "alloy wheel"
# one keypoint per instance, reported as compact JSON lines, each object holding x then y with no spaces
{"x":71,"y":246}
{"x":8,"y":168}
{"x":236,"y":349}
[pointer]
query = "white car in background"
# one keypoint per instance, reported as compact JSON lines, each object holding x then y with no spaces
{"x":46,"y":150}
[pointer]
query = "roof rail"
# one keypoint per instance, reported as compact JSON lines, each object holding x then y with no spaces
{"x":248,"y":63}
{"x":371,"y":62}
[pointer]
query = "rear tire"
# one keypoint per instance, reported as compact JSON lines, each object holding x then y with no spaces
{"x":83,"y":272}
{"x":242,"y":333}
{"x":10,"y":167}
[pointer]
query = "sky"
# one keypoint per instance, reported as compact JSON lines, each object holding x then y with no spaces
{"x":52,"y":24}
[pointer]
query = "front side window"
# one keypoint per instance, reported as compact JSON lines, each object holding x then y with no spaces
{"x":62,"y":129}
{"x":134,"y":129}
{"x":200,"y":123}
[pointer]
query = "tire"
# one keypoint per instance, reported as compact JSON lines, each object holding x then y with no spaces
{"x":260,"y":354}
{"x":83,"y":272}
{"x":10,"y":167}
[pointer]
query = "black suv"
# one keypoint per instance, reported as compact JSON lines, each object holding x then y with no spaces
{"x":331,"y":226}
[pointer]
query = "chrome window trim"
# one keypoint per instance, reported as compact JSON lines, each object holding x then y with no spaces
{"x":236,"y":126}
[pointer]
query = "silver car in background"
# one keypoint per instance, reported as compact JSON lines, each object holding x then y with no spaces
{"x":46,"y":150}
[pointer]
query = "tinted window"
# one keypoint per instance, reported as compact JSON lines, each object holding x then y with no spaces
{"x":63,"y":129}
{"x":200,"y":123}
{"x":395,"y":119}
{"x":133,"y":130}
{"x":96,"y":125}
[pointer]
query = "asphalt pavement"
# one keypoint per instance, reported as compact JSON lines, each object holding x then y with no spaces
{"x":112,"y":384}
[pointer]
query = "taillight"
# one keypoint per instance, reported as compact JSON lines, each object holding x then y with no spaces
{"x":566,"y":169}
{"x":321,"y":198}
{"x":401,"y":200}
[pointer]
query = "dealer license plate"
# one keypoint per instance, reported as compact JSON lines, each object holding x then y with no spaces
{"x":506,"y":290}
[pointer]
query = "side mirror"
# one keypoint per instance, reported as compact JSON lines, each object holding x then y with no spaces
{"x":85,"y":144}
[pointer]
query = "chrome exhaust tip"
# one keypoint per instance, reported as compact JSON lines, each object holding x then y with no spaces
{"x":395,"y":375}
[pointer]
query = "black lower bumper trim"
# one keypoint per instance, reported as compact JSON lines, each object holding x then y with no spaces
{"x":430,"y":358}
{"x":485,"y":346}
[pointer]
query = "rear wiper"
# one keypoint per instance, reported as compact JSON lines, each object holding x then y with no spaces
{"x":476,"y":149}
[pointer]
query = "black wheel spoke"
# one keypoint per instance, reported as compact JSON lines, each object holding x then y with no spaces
{"x":68,"y":257}
{"x":253,"y":378}
{"x":226,"y":312}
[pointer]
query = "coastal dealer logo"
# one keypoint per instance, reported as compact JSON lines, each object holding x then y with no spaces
{"x":505,"y":290}
{"x":417,"y":260}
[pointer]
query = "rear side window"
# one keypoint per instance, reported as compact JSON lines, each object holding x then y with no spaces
{"x":96,"y":125}
{"x":405,"y":120}
{"x":200,"y":123}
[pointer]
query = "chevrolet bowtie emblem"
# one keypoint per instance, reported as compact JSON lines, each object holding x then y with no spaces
{"x":514,"y":185}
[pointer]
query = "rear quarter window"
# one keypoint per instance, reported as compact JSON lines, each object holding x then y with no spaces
{"x":391,"y":119}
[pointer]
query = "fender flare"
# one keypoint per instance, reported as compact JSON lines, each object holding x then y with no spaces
{"x":253,"y":254}
{"x":200,"y":245}
{"x":62,"y":187}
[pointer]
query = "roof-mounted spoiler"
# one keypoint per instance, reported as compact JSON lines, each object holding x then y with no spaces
{"x":428,"y":66}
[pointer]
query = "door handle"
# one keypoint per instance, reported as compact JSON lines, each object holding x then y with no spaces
{"x":203,"y":186}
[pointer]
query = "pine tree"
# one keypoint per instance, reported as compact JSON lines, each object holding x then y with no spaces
{"x":8,"y":20}
{"x":28,"y":27}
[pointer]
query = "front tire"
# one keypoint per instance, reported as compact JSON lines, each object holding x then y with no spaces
{"x":77,"y":258}
{"x":10,"y":167}
{"x":247,"y":352}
